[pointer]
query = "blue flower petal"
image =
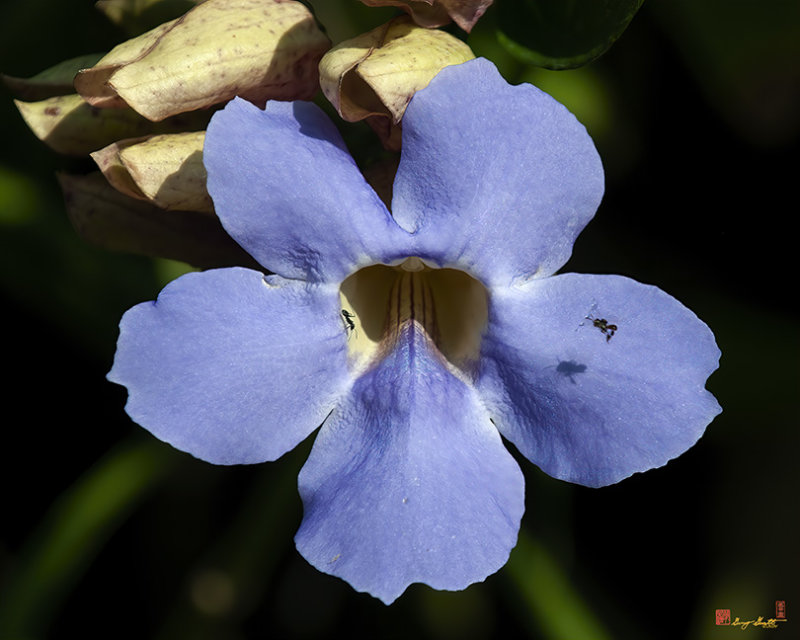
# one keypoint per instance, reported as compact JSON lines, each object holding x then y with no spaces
{"x":286,"y":189}
{"x":587,"y":406}
{"x":497,"y":179}
{"x":408,"y":481}
{"x":231,"y":366}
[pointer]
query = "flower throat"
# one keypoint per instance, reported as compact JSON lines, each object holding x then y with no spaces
{"x":382,"y":302}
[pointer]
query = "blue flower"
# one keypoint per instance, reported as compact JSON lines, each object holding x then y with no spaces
{"x":416,"y":338}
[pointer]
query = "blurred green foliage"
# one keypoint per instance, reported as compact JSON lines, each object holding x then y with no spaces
{"x":79,"y":523}
{"x":106,"y":532}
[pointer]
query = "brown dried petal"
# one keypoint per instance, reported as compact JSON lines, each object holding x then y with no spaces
{"x":436,"y":13}
{"x":105,"y":217}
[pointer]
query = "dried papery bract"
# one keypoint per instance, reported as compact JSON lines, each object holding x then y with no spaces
{"x":69,"y":125}
{"x":437,"y":13}
{"x":256,"y":49}
{"x":105,"y":217}
{"x":93,"y":84}
{"x":165,"y":170}
{"x":374,"y":75}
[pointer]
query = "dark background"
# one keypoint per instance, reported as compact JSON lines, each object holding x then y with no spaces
{"x":107,"y":533}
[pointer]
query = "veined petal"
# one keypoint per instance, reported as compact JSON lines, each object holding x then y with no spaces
{"x":232,"y":366}
{"x":286,"y":189}
{"x":496,"y":179}
{"x":585,"y":405}
{"x":408,"y":481}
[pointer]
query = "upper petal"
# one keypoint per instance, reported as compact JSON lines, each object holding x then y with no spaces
{"x":586,"y":406}
{"x":286,"y":189}
{"x":409,"y":481}
{"x":231,"y":366}
{"x":496,"y":179}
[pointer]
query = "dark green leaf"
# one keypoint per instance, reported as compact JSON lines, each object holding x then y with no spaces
{"x":562,"y":34}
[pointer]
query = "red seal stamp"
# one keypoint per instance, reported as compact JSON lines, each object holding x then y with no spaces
{"x":723,"y":616}
{"x":780,"y":609}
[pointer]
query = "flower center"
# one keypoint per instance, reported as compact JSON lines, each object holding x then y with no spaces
{"x":380,"y":303}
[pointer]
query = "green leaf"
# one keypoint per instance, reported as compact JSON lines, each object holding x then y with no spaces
{"x":562,"y":34}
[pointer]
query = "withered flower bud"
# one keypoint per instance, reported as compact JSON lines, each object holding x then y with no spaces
{"x":255,"y":49}
{"x":374,"y":75}
{"x":437,"y":13}
{"x":165,"y":170}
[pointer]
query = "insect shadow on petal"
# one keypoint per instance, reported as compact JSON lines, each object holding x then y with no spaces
{"x":568,"y":369}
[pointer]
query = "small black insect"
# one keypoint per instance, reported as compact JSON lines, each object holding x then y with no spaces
{"x":348,"y":318}
{"x":605,"y":327}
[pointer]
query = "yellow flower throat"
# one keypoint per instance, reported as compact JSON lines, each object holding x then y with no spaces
{"x":380,"y":302}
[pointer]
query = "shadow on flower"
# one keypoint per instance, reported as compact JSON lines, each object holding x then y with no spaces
{"x":570,"y":368}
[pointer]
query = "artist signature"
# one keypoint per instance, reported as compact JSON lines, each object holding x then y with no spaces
{"x":769,"y":623}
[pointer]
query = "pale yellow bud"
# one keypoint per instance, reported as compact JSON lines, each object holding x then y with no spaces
{"x":378,"y":72}
{"x":94,"y":83}
{"x":166,"y":170}
{"x":67,"y":124}
{"x":255,"y":49}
